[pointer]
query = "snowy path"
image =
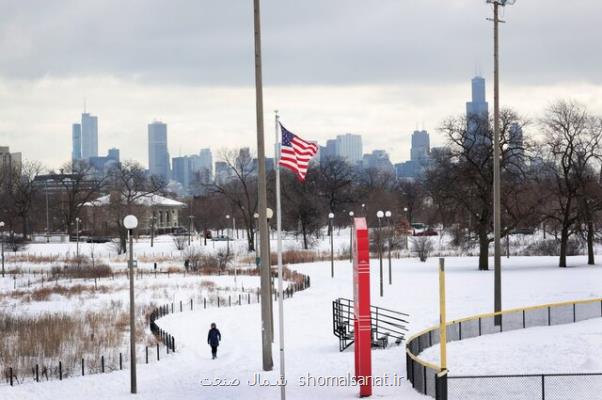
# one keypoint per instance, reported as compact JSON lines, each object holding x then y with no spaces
{"x":311,"y":347}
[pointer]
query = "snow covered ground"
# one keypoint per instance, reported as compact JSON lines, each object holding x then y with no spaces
{"x":312,"y":349}
{"x":570,"y":348}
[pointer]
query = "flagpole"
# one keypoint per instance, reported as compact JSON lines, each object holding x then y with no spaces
{"x":279,"y":248}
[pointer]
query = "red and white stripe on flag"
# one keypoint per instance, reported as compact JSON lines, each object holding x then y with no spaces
{"x":295,"y":153}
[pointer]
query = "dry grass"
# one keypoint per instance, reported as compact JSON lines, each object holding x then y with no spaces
{"x":49,"y":338}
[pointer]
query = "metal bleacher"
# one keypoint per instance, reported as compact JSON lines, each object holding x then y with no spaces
{"x":387,"y":325}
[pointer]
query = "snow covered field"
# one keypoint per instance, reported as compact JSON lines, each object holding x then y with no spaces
{"x":312,"y":349}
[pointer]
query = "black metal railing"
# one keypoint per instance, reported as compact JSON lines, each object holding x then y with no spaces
{"x":387,"y":325}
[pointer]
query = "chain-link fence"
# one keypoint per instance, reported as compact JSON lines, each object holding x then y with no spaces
{"x":426,"y":378}
{"x":526,"y":387}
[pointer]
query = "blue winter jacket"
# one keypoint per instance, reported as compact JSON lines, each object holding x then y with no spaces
{"x":214,"y":337}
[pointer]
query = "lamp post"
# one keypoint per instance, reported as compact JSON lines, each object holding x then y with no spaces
{"x":364,"y":209}
{"x":380,"y":216}
{"x":2,"y":233}
{"x":47,"y":214}
{"x":405,"y":210}
{"x":256,"y":216}
{"x":153,"y":219}
{"x":77,"y":220}
{"x":190,"y":217}
{"x":351,"y":214}
{"x":130,"y":223}
{"x":497,"y":219}
{"x":227,"y":234}
{"x":388,"y":216}
{"x":330,"y":218}
{"x":269,"y":214}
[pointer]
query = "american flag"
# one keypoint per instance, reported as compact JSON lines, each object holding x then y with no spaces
{"x":295,"y":153}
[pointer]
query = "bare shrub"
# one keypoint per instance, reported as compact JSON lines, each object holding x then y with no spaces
{"x":180,"y":241}
{"x":551,"y":247}
{"x":83,"y":271}
{"x":422,"y":247}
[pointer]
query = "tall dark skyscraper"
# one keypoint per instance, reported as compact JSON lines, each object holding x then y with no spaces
{"x":478,"y":105}
{"x":477,"y":115}
{"x":89,"y":136}
{"x":76,"y":142}
{"x":158,"y":154}
{"x":421,"y":146}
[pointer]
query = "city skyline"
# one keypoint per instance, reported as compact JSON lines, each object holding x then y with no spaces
{"x":353,"y":87}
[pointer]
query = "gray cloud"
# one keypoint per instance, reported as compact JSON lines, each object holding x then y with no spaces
{"x":305,"y":42}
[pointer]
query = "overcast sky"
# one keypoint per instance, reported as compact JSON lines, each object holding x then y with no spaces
{"x":380,"y":68}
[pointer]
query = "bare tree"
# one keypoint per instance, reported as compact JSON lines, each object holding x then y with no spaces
{"x":21,"y":193}
{"x":128,"y":183}
{"x":78,"y":186}
{"x":240,"y":188}
{"x":572,"y":142}
{"x":462,"y":178}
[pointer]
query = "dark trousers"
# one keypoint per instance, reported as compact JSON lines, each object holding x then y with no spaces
{"x":214,"y":351}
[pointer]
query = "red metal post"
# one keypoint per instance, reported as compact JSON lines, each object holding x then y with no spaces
{"x":361,"y":296}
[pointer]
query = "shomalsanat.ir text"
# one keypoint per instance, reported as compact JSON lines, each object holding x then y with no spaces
{"x":310,"y":380}
{"x":351,"y":380}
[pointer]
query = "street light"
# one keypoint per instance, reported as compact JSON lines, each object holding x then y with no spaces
{"x":227,"y":235}
{"x":269,"y":213}
{"x":2,"y":233}
{"x":77,"y":220}
{"x":130,"y":223}
{"x":351,"y":214}
{"x":405,"y":210}
{"x":364,"y":209}
{"x":153,"y":219}
{"x":380,"y":216}
{"x":330,"y":218}
{"x":190,"y":217}
{"x":388,"y":216}
{"x":256,"y":216}
{"x":497,"y":219}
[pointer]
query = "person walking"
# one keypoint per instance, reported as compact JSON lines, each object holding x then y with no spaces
{"x":213,"y":339}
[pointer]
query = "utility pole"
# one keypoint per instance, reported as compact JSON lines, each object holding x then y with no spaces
{"x":47,"y":214}
{"x":266,"y":316}
{"x":497,"y":256}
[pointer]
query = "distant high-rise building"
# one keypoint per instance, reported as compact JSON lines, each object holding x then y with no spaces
{"x":349,"y":147}
{"x":103,"y":164}
{"x":477,"y":114}
{"x":158,"y":154}
{"x":516,"y":150}
{"x":113,"y":154}
{"x":421,"y":146}
{"x":223,"y":172}
{"x":9,"y":161}
{"x":181,"y":170}
{"x":478,"y":105}
{"x":206,"y":161}
{"x":378,"y":159}
{"x":89,"y":136}
{"x":76,"y":142}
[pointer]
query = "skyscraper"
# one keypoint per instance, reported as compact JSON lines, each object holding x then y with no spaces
{"x":421,"y":146}
{"x":349,"y":147}
{"x":516,"y":150}
{"x":182,"y":170}
{"x":477,"y":115}
{"x":478,"y":105}
{"x":89,"y":136}
{"x":76,"y":142}
{"x":158,"y":154}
